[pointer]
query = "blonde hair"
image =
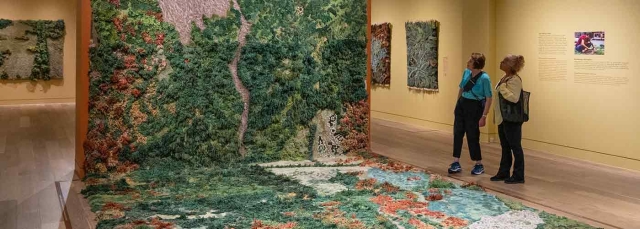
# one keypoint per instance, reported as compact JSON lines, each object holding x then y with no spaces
{"x":516,"y":63}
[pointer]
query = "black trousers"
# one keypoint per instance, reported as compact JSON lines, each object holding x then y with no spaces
{"x":511,"y":141}
{"x":467,"y":115}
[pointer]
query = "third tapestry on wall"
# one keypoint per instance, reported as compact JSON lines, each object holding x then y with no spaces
{"x":422,"y":55}
{"x":381,"y":54}
{"x":31,"y":49}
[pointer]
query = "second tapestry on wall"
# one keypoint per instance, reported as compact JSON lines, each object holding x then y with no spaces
{"x":422,"y":55}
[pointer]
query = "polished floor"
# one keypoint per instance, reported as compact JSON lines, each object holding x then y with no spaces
{"x":39,"y":190}
{"x":597,"y":194}
{"x":37,"y":147}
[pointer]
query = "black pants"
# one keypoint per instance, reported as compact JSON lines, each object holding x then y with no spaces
{"x":510,"y":139}
{"x":467,"y":115}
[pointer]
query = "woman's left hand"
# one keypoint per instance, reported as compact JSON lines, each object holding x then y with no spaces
{"x":483,"y":121}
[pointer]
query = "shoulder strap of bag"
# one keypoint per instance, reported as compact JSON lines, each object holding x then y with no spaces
{"x":522,"y":87}
{"x":476,"y":78}
{"x":474,"y":95}
{"x":472,"y":82}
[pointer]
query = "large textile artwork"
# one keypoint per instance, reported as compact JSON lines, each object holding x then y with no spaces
{"x":381,"y":54}
{"x":31,"y":49}
{"x":422,"y":55}
{"x":217,"y":81}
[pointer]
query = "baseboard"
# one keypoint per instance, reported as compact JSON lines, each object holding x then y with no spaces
{"x":428,"y":124}
{"x":529,"y":144}
{"x":586,"y":155}
{"x":37,"y":101}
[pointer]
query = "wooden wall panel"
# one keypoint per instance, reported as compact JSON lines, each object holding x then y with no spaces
{"x":82,"y":80}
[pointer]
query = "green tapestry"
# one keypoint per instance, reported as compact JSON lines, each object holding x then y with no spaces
{"x":211,"y":82}
{"x":422,"y":55}
{"x":31,"y":49}
{"x":381,"y":54}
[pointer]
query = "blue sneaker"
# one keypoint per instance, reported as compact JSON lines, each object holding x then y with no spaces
{"x":477,"y":169}
{"x":455,"y":168}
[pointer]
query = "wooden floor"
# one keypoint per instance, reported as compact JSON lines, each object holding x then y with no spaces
{"x":37,"y":147}
{"x":600,"y":195}
{"x":38,"y":188}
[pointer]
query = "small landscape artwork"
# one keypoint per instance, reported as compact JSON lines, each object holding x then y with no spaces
{"x":31,"y":49}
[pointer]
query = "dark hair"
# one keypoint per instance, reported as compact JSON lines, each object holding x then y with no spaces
{"x":478,"y":60}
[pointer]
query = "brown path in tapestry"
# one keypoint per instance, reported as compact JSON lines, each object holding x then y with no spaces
{"x":233,"y":66}
{"x":182,"y":13}
{"x":597,"y":194}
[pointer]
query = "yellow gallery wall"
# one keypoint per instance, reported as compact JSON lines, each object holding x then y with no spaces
{"x":54,"y":91}
{"x":584,"y":121}
{"x":595,"y":122}
{"x":466,"y":26}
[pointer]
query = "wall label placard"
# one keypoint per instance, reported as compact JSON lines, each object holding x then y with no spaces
{"x":552,"y":69}
{"x":552,"y":44}
{"x":588,"y":71}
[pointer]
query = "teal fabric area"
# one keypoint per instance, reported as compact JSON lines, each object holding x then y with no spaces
{"x":482,"y":89}
{"x":470,"y":205}
{"x":406,"y":180}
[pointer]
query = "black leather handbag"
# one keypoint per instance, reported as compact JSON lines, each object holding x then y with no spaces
{"x":518,"y":111}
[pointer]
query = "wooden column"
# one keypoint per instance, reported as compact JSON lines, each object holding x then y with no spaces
{"x":83,"y":37}
{"x":369,"y":69}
